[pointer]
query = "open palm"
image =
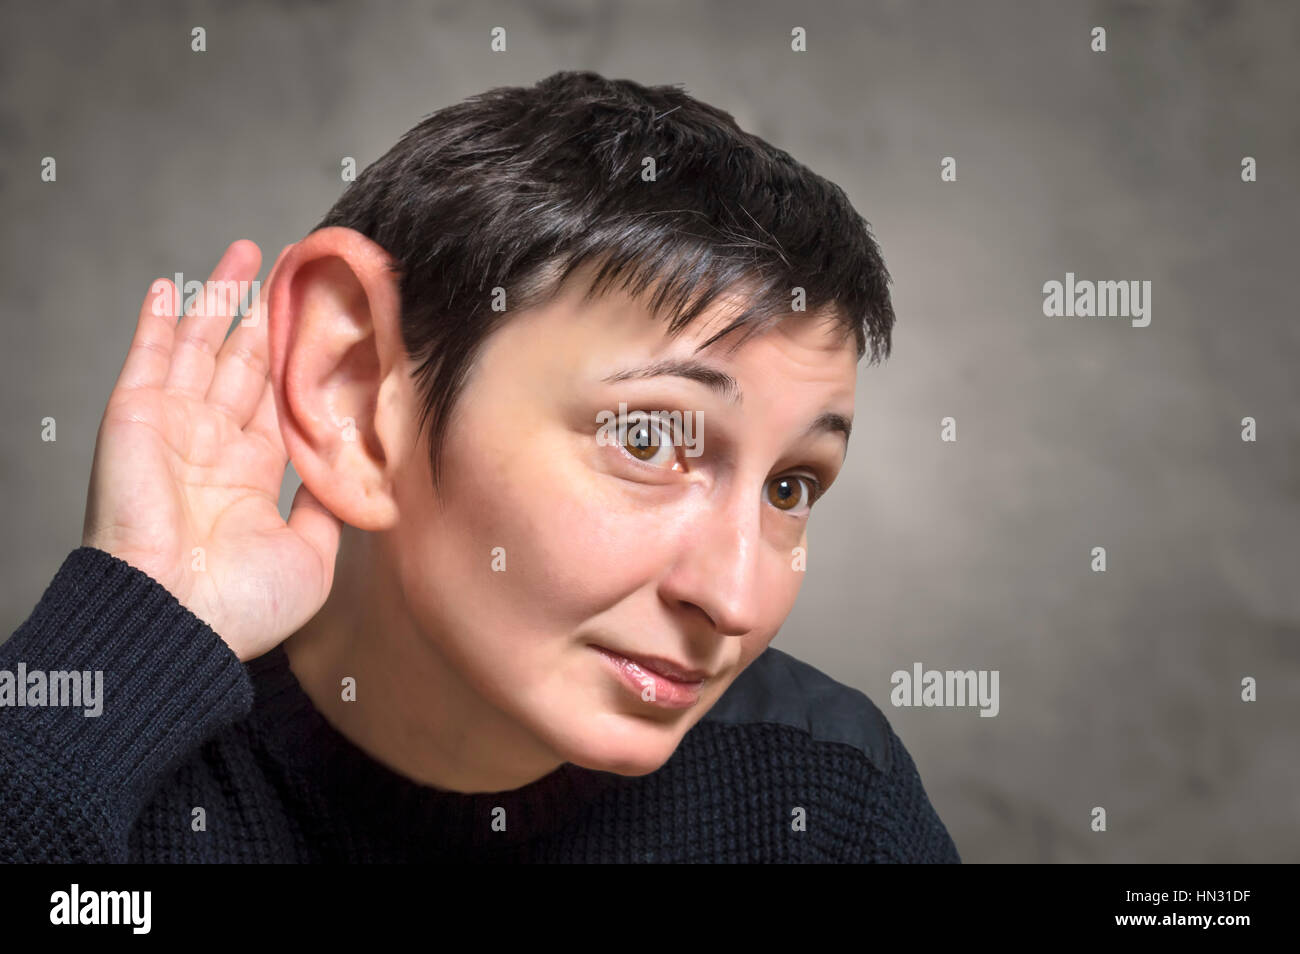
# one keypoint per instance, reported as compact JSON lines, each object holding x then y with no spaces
{"x":188,"y":466}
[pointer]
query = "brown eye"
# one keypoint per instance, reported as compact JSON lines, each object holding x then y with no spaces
{"x":789,"y":493}
{"x":646,"y":441}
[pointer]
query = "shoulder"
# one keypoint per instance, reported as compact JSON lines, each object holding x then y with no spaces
{"x":778,"y":689}
{"x":800,"y":731}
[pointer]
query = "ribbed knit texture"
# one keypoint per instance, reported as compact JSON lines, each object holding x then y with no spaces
{"x":186,"y":726}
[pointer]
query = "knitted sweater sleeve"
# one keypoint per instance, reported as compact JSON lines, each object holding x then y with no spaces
{"x":72,"y":781}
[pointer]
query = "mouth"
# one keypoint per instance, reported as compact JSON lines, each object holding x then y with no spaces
{"x":658,"y":681}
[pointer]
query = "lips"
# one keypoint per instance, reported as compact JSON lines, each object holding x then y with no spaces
{"x":663,"y":667}
{"x":652,"y":686}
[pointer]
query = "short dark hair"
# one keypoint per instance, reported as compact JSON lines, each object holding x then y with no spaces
{"x":518,"y":186}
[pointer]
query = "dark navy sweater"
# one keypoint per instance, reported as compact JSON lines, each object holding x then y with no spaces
{"x":198,"y":757}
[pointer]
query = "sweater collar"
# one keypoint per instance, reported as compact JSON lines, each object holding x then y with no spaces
{"x":348,"y":780}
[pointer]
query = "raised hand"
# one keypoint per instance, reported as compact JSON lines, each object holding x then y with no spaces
{"x":188,"y":466}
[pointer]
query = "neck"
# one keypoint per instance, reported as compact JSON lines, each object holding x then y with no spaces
{"x":413,"y":711}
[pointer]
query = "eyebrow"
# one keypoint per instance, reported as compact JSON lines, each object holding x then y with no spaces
{"x":725,"y":385}
{"x":719,"y":381}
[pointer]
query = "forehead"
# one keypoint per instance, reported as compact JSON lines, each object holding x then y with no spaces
{"x":577,"y":335}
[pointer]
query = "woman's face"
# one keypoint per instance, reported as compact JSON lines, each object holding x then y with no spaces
{"x":552,"y":542}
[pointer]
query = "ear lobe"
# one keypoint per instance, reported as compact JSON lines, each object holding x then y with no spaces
{"x":328,"y":364}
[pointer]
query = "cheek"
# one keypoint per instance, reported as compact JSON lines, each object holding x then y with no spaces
{"x":570,"y":543}
{"x":775,"y":595}
{"x":575,"y":543}
{"x":776,"y":598}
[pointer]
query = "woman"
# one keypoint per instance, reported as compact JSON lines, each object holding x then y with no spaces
{"x":563,"y":374}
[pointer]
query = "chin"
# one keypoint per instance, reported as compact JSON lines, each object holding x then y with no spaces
{"x":620,"y":743}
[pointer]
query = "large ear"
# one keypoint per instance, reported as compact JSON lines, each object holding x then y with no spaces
{"x":338,"y":370}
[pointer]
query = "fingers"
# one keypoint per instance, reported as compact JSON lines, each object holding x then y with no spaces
{"x":150,"y":355}
{"x":265,"y":423}
{"x":243,"y":362}
{"x":321,"y":529}
{"x":202,"y":329}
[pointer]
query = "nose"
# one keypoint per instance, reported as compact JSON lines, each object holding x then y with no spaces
{"x":719,"y":565}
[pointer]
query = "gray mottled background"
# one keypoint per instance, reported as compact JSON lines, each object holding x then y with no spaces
{"x":1118,"y":689}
